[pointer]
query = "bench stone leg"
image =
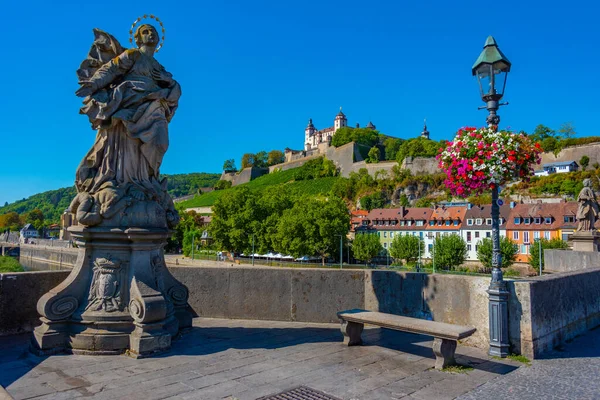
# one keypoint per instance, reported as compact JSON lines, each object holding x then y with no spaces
{"x":444,"y":350}
{"x":352,"y":332}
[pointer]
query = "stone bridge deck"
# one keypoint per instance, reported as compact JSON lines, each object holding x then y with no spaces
{"x":239,"y":359}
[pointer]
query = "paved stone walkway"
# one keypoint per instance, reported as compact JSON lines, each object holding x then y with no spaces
{"x":235,"y":359}
{"x":570,"y":372}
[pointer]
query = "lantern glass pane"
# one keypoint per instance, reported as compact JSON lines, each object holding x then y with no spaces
{"x":484,"y":77}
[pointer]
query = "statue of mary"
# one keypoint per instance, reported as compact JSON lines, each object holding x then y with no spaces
{"x":129,"y":99}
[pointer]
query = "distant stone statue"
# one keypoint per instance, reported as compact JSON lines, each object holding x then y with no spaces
{"x":130,"y":99}
{"x":587,"y":213}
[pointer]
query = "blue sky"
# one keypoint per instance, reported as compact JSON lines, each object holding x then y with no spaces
{"x":253,"y":72}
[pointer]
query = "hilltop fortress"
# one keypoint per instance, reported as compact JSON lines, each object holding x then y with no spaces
{"x":348,"y":158}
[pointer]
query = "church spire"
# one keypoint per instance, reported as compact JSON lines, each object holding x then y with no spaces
{"x":425,"y":133}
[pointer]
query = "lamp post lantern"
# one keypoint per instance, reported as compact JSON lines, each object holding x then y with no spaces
{"x":491,"y":69}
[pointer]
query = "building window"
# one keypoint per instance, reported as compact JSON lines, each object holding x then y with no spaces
{"x":469,"y":247}
{"x":548,"y":220}
{"x":517,"y":220}
{"x":431,"y":223}
{"x":430,"y":248}
{"x":476,"y":234}
{"x":440,"y":223}
{"x":387,"y":223}
{"x":536,"y":235}
{"x":527,"y":220}
{"x":523,"y":249}
{"x":525,"y":237}
{"x":537,"y":220}
{"x":409,"y":223}
{"x":448,"y":223}
{"x":516,"y":235}
{"x":402,"y":223}
{"x":419,"y":223}
{"x":391,"y":234}
{"x":479,"y":221}
{"x":469,"y":222}
{"x":455,"y":222}
{"x":379,"y":234}
{"x":488,"y":234}
{"x":488,"y":221}
{"x":501,"y":221}
{"x":384,"y":234}
{"x":421,"y":235}
{"x":468,"y":236}
{"x":385,"y":245}
{"x":476,"y":247}
{"x":569,"y":218}
{"x":547,"y":235}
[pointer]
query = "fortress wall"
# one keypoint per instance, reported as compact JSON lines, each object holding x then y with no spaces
{"x":421,"y":165}
{"x":243,"y":176}
{"x":574,"y":154}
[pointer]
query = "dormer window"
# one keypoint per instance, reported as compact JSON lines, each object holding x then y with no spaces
{"x":420,"y":223}
{"x":488,"y":221}
{"x":402,"y":223}
{"x":469,"y":222}
{"x":527,"y":220}
{"x":517,"y":220}
{"x":479,"y":221}
{"x":448,"y":223}
{"x":440,"y":223}
{"x":548,"y":220}
{"x":537,"y":220}
{"x":455,"y":222}
{"x":431,"y":223}
{"x":569,"y":218}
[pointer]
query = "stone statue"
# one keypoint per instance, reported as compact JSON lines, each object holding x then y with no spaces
{"x":587,"y":213}
{"x":120,"y":297}
{"x":129,"y":99}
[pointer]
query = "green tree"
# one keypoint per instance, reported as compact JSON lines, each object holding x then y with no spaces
{"x":542,"y":132}
{"x":222,"y":184}
{"x":374,"y":200}
{"x":418,"y":147}
{"x":404,"y":202}
{"x":9,"y":264}
{"x":312,"y":227}
{"x":36,"y":218}
{"x":319,"y":167}
{"x":374,"y":155}
{"x":366,"y":246}
{"x":260,"y":159}
{"x":247,"y":160}
{"x":229,"y":165}
{"x":508,"y":250}
{"x":450,"y":251}
{"x":392,"y":145}
{"x":407,"y":247}
{"x":11,"y":221}
{"x":275,"y":157}
{"x":366,"y":136}
{"x":584,"y":162}
{"x":534,"y":250}
{"x":567,"y":130}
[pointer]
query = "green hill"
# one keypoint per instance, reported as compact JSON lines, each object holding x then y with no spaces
{"x":54,"y":202}
{"x":288,"y":178}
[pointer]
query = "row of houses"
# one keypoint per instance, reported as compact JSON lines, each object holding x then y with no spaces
{"x":522,"y":223}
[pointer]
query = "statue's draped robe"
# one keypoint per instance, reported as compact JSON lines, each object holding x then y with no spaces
{"x":588,"y":209}
{"x":131,"y":112}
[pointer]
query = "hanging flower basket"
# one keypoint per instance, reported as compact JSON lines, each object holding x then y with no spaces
{"x":480,"y":159}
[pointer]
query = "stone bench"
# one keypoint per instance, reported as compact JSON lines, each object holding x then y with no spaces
{"x":445,"y":335}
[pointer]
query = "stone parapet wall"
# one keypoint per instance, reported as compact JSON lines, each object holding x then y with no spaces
{"x":53,"y":255}
{"x":19,"y":293}
{"x":570,"y":260}
{"x":543,"y":311}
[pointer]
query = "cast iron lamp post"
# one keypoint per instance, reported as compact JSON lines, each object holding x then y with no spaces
{"x":491,"y":69}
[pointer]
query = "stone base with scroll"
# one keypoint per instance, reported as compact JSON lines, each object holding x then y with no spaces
{"x":119,"y":297}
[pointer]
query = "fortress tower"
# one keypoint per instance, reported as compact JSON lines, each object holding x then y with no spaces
{"x":340,"y":121}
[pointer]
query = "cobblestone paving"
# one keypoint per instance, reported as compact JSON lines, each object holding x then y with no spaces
{"x":234,"y":359}
{"x":570,"y":372}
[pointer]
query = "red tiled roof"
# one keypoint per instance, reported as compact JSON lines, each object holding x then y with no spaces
{"x":541,"y":210}
{"x":448,"y":214}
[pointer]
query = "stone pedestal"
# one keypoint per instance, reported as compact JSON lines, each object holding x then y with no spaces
{"x":586,"y":241}
{"x":119,"y":298}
